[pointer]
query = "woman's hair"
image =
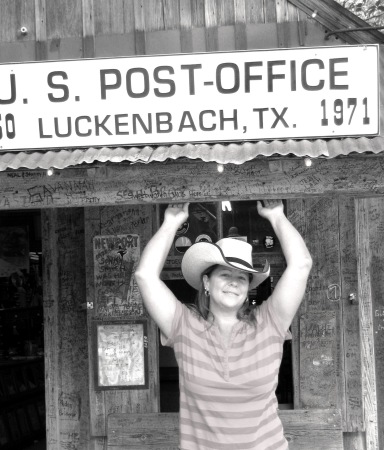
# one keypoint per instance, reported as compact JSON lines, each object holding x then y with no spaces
{"x":202,"y":302}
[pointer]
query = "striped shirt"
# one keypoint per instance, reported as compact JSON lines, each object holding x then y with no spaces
{"x":227,"y":395}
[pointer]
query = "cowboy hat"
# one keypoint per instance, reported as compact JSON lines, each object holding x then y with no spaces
{"x":226,"y":252}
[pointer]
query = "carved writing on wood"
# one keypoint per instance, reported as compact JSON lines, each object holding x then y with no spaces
{"x":191,"y":181}
{"x":115,"y":260}
{"x":318,"y":360}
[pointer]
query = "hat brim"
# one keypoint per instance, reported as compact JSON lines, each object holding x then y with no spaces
{"x":202,"y":255}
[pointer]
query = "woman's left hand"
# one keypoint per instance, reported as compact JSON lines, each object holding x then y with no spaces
{"x":270,"y":209}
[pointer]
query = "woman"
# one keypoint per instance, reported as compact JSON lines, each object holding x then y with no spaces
{"x":228,"y":354}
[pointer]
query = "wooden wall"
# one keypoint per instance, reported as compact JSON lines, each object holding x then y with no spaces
{"x":95,"y":28}
{"x":327,"y":339}
{"x":106,"y":221}
{"x":124,"y":184}
{"x":65,"y":329}
{"x":76,"y":413}
{"x":320,"y":203}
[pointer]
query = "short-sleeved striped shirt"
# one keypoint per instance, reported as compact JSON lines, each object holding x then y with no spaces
{"x":227,"y":396}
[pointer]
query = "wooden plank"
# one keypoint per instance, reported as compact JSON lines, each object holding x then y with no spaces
{"x":321,"y":381}
{"x":51,"y":323}
{"x":160,"y":431}
{"x":41,"y":30}
{"x":66,"y":352}
{"x":198,"y":13}
{"x":185,"y":26}
{"x":154,"y":15}
{"x":318,"y":360}
{"x":185,"y":11}
{"x":225,"y":13}
{"x":281,"y":10}
{"x":364,"y":267}
{"x":322,"y":238}
{"x":139,"y":27}
{"x":163,"y":42}
{"x":296,"y":214}
{"x":13,"y":16}
{"x":128,"y":13}
{"x":97,"y":413}
{"x":255,"y":12}
{"x":262,"y":36}
{"x":211,"y":24}
{"x":17,"y":51}
{"x":292,"y":12}
{"x":116,"y":45}
{"x":67,"y":48}
{"x":64,"y":19}
{"x":108,"y":16}
{"x":270,"y":11}
{"x":350,"y":350}
{"x":376,"y":235}
{"x":315,"y":429}
{"x":282,"y":26}
{"x":240,"y":27}
{"x":312,"y":429}
{"x":113,"y":17}
{"x":88,"y":29}
{"x":302,"y":27}
{"x":113,"y":221}
{"x":190,"y":181}
{"x":171,"y":14}
{"x":226,"y":38}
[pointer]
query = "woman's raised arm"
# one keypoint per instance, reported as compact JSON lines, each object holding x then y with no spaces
{"x":289,"y":291}
{"x":158,"y":299}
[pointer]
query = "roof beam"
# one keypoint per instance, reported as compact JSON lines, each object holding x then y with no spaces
{"x":335,"y":17}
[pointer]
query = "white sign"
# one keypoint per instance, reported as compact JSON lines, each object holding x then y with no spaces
{"x":201,"y":97}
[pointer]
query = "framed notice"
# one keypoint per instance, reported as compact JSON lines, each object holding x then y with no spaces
{"x":121,"y":357}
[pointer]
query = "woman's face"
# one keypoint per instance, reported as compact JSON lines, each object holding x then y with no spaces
{"x":228,"y":288}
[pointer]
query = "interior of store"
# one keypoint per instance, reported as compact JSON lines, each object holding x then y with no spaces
{"x":22,"y":402}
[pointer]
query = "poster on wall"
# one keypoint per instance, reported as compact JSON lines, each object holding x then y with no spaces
{"x":122,"y":355}
{"x":115,"y":261}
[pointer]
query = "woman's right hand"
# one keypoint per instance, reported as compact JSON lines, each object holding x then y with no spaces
{"x":176,"y":213}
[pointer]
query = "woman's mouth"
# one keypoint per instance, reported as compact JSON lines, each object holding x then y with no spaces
{"x":232,"y":293}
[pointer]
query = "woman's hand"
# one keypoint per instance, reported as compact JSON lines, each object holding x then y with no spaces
{"x":176,"y":213}
{"x":271,"y":209}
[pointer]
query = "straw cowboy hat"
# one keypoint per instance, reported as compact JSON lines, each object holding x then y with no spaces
{"x":226,"y":252}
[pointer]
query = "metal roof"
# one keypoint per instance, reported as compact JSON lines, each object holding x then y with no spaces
{"x":234,"y":153}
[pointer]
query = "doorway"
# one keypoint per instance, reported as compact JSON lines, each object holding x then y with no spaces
{"x":210,"y":222}
{"x":22,"y":381}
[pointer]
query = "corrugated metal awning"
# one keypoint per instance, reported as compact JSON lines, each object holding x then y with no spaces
{"x":234,"y":153}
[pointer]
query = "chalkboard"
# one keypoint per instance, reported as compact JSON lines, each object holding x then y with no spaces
{"x":121,"y":360}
